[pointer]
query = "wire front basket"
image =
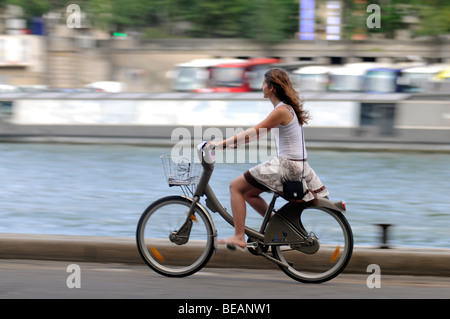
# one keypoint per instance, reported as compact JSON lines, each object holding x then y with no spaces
{"x":181,"y":171}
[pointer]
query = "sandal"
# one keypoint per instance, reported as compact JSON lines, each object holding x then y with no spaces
{"x":233,"y":247}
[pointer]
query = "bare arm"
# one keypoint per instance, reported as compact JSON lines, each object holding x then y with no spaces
{"x":278,"y":116}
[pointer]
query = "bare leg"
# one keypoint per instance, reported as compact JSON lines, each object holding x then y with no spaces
{"x":240,"y":191}
{"x":256,"y":201}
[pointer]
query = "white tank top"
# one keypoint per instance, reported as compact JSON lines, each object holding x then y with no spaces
{"x":290,"y":139}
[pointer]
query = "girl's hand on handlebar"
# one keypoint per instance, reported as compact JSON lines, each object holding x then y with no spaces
{"x":214,"y":145}
{"x":221,"y":145}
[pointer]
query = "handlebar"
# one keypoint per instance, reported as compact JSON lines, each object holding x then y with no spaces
{"x":206,"y":156}
{"x":206,"y":153}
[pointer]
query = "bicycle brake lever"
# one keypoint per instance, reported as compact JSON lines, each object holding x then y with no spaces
{"x":202,"y":147}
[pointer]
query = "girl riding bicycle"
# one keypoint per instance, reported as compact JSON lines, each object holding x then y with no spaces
{"x":288,"y":117}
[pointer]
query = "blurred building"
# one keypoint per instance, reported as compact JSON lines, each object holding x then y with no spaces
{"x":22,"y":52}
{"x":320,"y":20}
{"x":22,"y":59}
{"x":46,"y":51}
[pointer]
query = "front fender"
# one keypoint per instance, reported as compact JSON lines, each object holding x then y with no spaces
{"x":205,"y":211}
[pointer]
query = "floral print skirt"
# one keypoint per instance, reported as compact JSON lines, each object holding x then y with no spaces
{"x":272,"y":174}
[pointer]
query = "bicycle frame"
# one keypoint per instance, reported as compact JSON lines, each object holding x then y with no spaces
{"x":289,"y":231}
{"x":214,"y":205}
{"x":204,"y":189}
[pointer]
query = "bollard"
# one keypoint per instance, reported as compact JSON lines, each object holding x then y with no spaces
{"x":384,"y":237}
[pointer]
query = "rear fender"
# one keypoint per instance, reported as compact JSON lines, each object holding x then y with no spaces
{"x":336,"y":206}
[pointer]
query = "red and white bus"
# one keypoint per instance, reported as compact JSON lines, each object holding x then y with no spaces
{"x":235,"y":77}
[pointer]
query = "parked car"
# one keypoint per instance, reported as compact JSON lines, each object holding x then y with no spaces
{"x":5,"y":88}
{"x":383,"y":80}
{"x":107,"y":86}
{"x":311,"y":78}
{"x":349,"y":77}
{"x":195,"y":74}
{"x":418,"y":79}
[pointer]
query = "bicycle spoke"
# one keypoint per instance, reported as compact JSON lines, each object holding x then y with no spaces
{"x":331,"y":254}
{"x":172,"y":243}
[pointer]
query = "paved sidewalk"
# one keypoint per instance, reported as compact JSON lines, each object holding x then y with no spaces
{"x":397,"y":260}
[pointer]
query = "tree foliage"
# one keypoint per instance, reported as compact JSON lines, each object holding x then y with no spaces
{"x":262,"y":20}
{"x":266,"y":21}
{"x":434,"y":16}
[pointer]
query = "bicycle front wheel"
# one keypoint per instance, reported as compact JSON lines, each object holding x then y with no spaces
{"x":169,"y":242}
{"x":327,"y":250}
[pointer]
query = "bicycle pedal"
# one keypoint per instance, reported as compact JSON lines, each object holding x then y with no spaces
{"x":253,"y":245}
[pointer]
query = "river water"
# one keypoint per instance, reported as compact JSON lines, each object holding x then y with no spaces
{"x":102,"y":189}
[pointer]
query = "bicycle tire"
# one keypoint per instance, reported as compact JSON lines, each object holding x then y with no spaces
{"x":169,"y":257}
{"x":334,"y":252}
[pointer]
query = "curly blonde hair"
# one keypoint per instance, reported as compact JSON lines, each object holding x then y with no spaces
{"x":284,"y":90}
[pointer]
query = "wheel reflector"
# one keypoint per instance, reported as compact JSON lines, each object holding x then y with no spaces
{"x":157,"y":254}
{"x":193,"y":218}
{"x":335,"y":254}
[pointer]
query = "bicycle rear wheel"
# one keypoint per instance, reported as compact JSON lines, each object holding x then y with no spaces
{"x":169,"y":242}
{"x":328,"y":252}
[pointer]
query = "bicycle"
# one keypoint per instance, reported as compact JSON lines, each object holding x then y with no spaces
{"x":311,"y":242}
